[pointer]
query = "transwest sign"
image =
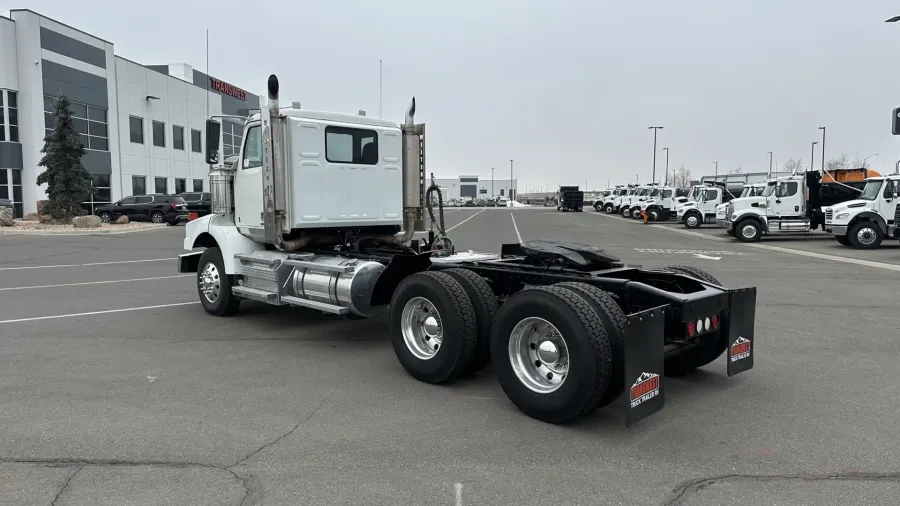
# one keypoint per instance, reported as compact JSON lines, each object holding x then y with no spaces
{"x":228,"y":89}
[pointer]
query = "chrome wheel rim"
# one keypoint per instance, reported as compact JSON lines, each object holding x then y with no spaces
{"x":210,"y":283}
{"x":626,"y":213}
{"x":105,"y":218}
{"x":748,"y":231}
{"x":865,"y":236}
{"x":157,"y":218}
{"x":539,"y":355}
{"x":692,"y":221}
{"x":422,"y":329}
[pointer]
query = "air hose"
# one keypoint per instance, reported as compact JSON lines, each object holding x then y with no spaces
{"x":442,"y":245}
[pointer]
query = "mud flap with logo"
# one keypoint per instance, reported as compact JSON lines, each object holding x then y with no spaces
{"x":740,"y":329}
{"x":644,"y":363}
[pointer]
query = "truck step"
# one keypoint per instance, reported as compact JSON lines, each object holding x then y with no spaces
{"x":304,"y":264}
{"x":311,"y":304}
{"x":255,"y":294}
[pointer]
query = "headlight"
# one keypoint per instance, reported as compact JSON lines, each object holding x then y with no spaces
{"x":842,"y":216}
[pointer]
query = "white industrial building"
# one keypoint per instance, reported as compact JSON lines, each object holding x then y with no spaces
{"x":472,"y":187}
{"x":143,"y":126}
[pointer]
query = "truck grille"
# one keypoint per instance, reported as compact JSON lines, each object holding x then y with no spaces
{"x":829,"y":215}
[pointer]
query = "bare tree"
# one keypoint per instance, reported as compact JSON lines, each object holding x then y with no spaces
{"x":839,"y":162}
{"x":682,"y":177}
{"x":793,"y":164}
{"x":860,"y":163}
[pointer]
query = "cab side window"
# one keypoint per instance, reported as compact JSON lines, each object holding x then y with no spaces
{"x":252,"y":154}
{"x":666,"y":194}
{"x":710,"y":195}
{"x":787,"y":190}
{"x":890,"y":188}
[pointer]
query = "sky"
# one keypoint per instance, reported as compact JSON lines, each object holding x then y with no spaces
{"x":567,"y":89}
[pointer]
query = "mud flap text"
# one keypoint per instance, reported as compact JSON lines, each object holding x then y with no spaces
{"x":739,"y":332}
{"x":644,"y":363}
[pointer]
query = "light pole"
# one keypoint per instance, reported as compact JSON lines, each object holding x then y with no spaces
{"x":510,"y":180}
{"x":655,"y":129}
{"x":812,"y":156}
{"x":667,"y":165}
{"x":493,"y":195}
{"x":823,"y":149}
{"x":717,"y":170}
{"x":770,"y":163}
{"x":866,"y":158}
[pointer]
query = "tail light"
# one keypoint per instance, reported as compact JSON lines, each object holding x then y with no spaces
{"x":173,"y":206}
{"x":703,"y":325}
{"x":193,"y":216}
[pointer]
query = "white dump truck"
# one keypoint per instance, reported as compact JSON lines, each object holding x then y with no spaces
{"x":611,"y":204}
{"x":633,"y":202}
{"x":661,"y":207}
{"x":321,"y":213}
{"x":864,"y":222}
{"x":703,"y":210}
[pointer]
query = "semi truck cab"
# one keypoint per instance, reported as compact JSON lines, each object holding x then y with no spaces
{"x":752,"y":193}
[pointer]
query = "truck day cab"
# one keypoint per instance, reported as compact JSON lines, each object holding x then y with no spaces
{"x":864,"y":222}
{"x":321,"y":212}
{"x":703,"y":210}
{"x":611,"y":205}
{"x":752,"y":193}
{"x":632,"y":202}
{"x":662,"y":206}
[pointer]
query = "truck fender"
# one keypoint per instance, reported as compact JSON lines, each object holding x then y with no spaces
{"x":748,"y":213}
{"x":869,"y":216}
{"x":217,"y":231}
{"x":397,"y":269}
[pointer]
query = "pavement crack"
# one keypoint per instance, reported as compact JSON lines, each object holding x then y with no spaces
{"x":279,"y":438}
{"x":66,"y":484}
{"x":693,"y":486}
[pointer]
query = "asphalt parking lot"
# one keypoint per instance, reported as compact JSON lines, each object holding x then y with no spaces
{"x":116,"y":388}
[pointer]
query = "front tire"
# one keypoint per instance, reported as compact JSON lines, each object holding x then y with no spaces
{"x":608,"y":209}
{"x":865,"y":235}
{"x":693,"y":220}
{"x":748,"y":230}
{"x":433,"y":327}
{"x":552,"y":353}
{"x":626,"y":212}
{"x":214,"y":285}
{"x":653,"y":215}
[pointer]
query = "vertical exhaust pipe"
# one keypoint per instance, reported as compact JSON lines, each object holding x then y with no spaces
{"x":413,"y":185}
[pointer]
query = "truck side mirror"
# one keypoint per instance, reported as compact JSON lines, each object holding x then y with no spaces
{"x":895,"y":122}
{"x":213,"y":132}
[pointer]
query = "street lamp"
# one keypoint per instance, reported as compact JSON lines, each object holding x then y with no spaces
{"x":655,"y":129}
{"x":892,"y":20}
{"x":510,"y":181}
{"x":866,"y":158}
{"x":493,"y":195}
{"x":770,"y":163}
{"x":667,"y":165}
{"x":823,"y":149}
{"x":717,"y":170}
{"x":812,"y":156}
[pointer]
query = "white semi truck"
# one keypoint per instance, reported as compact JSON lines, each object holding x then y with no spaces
{"x":632,"y":202}
{"x":321,"y":213}
{"x":703,"y":210}
{"x":611,"y":204}
{"x":752,"y":193}
{"x":662,"y":205}
{"x":864,"y":222}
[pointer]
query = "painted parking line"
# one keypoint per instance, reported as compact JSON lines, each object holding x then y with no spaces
{"x":108,"y":311}
{"x":34,"y":287}
{"x":22,"y":268}
{"x":465,"y":220}
{"x":516,"y":227}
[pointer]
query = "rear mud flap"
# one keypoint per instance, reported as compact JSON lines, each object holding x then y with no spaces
{"x":644,"y":363}
{"x":740,"y":330}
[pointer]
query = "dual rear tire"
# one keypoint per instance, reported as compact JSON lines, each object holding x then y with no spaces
{"x":557,"y":351}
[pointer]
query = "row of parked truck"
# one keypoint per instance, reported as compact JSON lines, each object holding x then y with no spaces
{"x":857,"y":206}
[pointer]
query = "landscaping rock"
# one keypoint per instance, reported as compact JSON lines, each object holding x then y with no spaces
{"x":41,"y":205}
{"x":6,"y":216}
{"x":121,"y":220}
{"x":30,"y":217}
{"x":86,"y":222}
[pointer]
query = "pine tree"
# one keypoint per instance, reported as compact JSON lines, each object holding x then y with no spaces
{"x":68,"y":182}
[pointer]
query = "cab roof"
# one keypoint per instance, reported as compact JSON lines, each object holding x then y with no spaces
{"x":335,"y":117}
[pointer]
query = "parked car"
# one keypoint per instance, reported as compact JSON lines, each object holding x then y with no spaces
{"x":6,"y":203}
{"x":503,"y":203}
{"x":155,"y":208}
{"x":198,"y":202}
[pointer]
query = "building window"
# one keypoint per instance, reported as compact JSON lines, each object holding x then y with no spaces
{"x":11,"y":188}
{"x":138,"y":185}
{"x":198,"y":185}
{"x":231,"y":138}
{"x":90,"y":122}
{"x":159,"y":134}
{"x":9,"y":116}
{"x":100,"y":192}
{"x":180,"y":185}
{"x":351,"y":145}
{"x":196,"y":145}
{"x":162,"y":185}
{"x":468,"y":180}
{"x":136,"y":126}
{"x":178,"y":137}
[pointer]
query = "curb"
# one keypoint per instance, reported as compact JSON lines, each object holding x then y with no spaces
{"x":9,"y":231}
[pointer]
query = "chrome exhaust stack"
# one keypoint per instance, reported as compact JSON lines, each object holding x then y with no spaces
{"x":413,"y":146}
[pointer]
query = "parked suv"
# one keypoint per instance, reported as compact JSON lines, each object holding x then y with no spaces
{"x":199,"y":202}
{"x":155,"y":208}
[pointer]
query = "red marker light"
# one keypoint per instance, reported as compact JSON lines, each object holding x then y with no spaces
{"x":715,"y":321}
{"x":692,"y":328}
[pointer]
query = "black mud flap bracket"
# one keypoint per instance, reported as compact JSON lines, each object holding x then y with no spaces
{"x":740,"y":330}
{"x":189,"y":262}
{"x":644,"y":364}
